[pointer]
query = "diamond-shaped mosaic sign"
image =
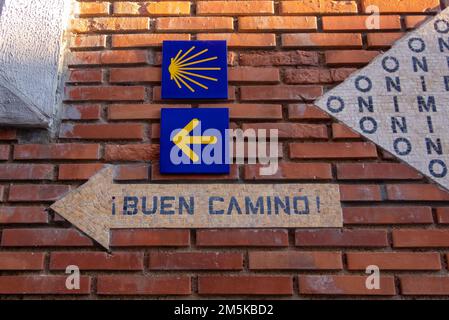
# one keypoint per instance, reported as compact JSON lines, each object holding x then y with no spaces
{"x":400,"y":101}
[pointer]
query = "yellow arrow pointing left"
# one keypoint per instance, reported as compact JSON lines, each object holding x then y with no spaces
{"x":182,"y":140}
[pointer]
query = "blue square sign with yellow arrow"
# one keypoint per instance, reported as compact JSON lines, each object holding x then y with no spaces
{"x":194,"y":70}
{"x":194,"y":140}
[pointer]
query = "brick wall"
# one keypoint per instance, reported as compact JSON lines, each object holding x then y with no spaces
{"x":282,"y":56}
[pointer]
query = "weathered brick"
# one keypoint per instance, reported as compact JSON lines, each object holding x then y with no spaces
{"x":420,"y":238}
{"x":344,"y":285}
{"x":12,"y":171}
{"x":132,"y":172}
{"x":82,"y":112}
{"x":44,"y":238}
{"x":131,"y":152}
{"x":424,"y":285}
{"x":307,"y":76}
{"x":97,"y":260}
{"x":341,"y":238}
{"x":195,"y":24}
{"x":443,"y":215}
{"x":354,"y":23}
{"x":269,"y":58}
{"x":4,"y":152}
{"x":306,"y":112}
{"x":291,"y":171}
{"x":106,"y":93}
{"x":358,"y":192}
{"x":23,"y":215}
{"x":109,"y":24}
{"x":234,"y":8}
{"x":333,"y":150}
{"x":387,"y":215}
{"x":195,"y":261}
{"x":85,"y":76}
{"x":37,"y":192}
{"x":92,"y":8}
{"x":41,"y":284}
{"x":242,"y":238}
{"x":376,"y":171}
{"x":245,"y":285}
{"x":322,"y":40}
{"x":78,"y":171}
{"x":242,"y":40}
{"x":252,"y":74}
{"x":132,"y":131}
{"x":277,"y":23}
{"x":107,"y":57}
{"x":169,"y":8}
{"x":72,"y":151}
{"x":150,"y":238}
{"x":295,"y":260}
{"x":83,"y":41}
{"x":21,"y":260}
{"x":281,"y":92}
{"x":416,"y":192}
{"x":400,"y":6}
{"x":145,"y":40}
{"x":394,"y":260}
{"x":321,"y":6}
{"x":143,"y":285}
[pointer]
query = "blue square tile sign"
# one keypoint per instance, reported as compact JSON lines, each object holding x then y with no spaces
{"x":194,"y":140}
{"x":194,"y":70}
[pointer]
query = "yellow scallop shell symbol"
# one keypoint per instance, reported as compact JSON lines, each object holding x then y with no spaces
{"x":181,"y":68}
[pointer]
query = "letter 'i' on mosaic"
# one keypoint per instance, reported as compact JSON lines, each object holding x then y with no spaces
{"x":400,"y":101}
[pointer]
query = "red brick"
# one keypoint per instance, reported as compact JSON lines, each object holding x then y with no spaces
{"x":349,"y":57}
{"x":277,"y":23}
{"x":194,"y":24}
{"x":245,"y":285}
{"x":443,"y":215}
{"x":138,"y":74}
{"x":102,"y":131}
{"x":22,"y":214}
{"x":281,"y":92}
{"x":321,"y":6}
{"x":252,"y":74}
{"x":150,"y":238}
{"x":234,"y":8}
{"x":12,"y":171}
{"x":88,"y":42}
{"x":4,"y":152}
{"x":360,"y":193}
{"x":195,"y":261}
{"x":21,"y":261}
{"x":416,"y":192}
{"x":341,"y":238}
{"x":333,"y":150}
{"x":394,"y":260}
{"x":242,"y":238}
{"x":250,"y":110}
{"x":412,"y":22}
{"x":44,"y":238}
{"x":108,"y":57}
{"x":344,"y":285}
{"x":292,"y":171}
{"x":82,"y":112}
{"x":144,"y":40}
{"x":157,"y":176}
{"x":138,"y":111}
{"x":132,"y":172}
{"x":152,"y":8}
{"x":420,"y":238}
{"x":306,"y":112}
{"x":424,"y":285}
{"x":290,"y":130}
{"x":376,"y":171}
{"x":109,"y":24}
{"x":106,"y":93}
{"x":295,"y":260}
{"x":132,"y":152}
{"x":97,"y":260}
{"x":143,"y":285}
{"x":307,"y":76}
{"x":8,"y":134}
{"x":85,"y":76}
{"x":276,"y":58}
{"x":71,"y":151}
{"x":78,"y":171}
{"x":92,"y":8}
{"x":383,"y":40}
{"x":353,"y":23}
{"x":40,"y":284}
{"x":341,"y":131}
{"x":157,"y":95}
{"x":341,"y":74}
{"x":387,"y":215}
{"x":322,"y":40}
{"x":399,"y":6}
{"x":37,"y":192}
{"x":242,"y":40}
